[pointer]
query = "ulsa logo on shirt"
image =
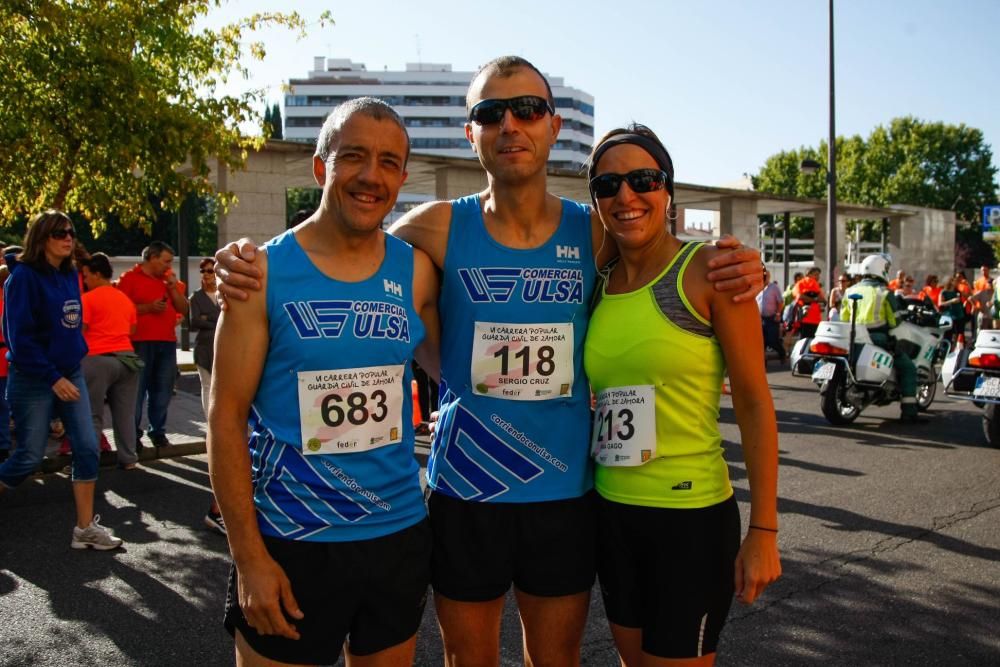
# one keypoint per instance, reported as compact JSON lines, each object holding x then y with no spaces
{"x":541,"y":285}
{"x":568,"y":252}
{"x":361,"y":319}
{"x":71,"y":314}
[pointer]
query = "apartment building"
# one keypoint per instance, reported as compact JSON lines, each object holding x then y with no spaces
{"x":430,"y":97}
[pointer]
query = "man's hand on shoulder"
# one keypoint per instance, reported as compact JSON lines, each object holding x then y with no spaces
{"x":236,"y":271}
{"x":738,"y":269}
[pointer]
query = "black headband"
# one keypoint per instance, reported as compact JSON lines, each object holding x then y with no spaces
{"x":651,"y":146}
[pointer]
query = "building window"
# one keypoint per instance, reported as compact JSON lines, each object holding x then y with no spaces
{"x":310,"y":121}
{"x":432,"y":142}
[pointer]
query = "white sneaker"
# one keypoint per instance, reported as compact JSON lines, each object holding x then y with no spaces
{"x":215,"y":522}
{"x":95,"y":536}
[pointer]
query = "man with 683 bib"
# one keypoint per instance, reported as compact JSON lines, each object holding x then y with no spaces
{"x":326,"y":520}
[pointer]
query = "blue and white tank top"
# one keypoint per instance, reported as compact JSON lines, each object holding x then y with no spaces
{"x":514,"y":402}
{"x":331,"y":441}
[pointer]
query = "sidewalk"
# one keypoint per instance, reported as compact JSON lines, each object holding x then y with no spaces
{"x":186,"y":425}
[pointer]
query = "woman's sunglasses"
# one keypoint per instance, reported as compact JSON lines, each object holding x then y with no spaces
{"x":640,"y":180}
{"x":60,"y":234}
{"x":525,"y":107}
{"x":208,"y":270}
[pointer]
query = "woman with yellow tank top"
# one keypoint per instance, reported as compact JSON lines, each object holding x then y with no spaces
{"x":660,"y":340}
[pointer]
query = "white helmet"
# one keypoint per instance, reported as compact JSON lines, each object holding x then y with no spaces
{"x":876,"y":266}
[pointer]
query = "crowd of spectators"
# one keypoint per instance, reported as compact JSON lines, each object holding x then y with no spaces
{"x":804,"y":304}
{"x":128,"y":327}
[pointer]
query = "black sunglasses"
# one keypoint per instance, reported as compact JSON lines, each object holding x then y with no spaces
{"x":640,"y":180}
{"x":208,"y":270}
{"x":525,"y":107}
{"x":60,"y":234}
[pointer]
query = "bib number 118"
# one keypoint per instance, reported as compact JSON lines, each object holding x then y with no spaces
{"x":545,"y":366}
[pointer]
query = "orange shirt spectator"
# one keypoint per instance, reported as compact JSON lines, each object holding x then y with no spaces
{"x":931,"y":288}
{"x":108,"y":318}
{"x":811,"y":294}
{"x":983,"y":281}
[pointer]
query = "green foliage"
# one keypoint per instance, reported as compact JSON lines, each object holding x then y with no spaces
{"x":908,"y":162}
{"x":276,"y":122}
{"x":200,"y":215}
{"x":106,"y":104}
{"x":301,"y":199}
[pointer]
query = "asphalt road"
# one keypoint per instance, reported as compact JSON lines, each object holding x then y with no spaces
{"x":889,"y":537}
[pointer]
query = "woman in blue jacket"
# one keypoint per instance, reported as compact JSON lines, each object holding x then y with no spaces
{"x":42,"y":322}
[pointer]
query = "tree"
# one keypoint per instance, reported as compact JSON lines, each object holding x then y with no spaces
{"x":277,"y":132}
{"x":908,"y":162}
{"x":268,"y":121}
{"x":115,"y":108}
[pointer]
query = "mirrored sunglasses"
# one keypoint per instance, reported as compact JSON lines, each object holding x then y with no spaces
{"x":525,"y":107}
{"x":640,"y":180}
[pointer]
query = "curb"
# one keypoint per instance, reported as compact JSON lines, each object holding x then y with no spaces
{"x":146,"y":454}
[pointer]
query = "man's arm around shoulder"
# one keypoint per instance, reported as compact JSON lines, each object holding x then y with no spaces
{"x":425,"y":300}
{"x":426,"y":227}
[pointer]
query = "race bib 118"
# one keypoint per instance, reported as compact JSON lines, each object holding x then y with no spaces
{"x":522,"y":362}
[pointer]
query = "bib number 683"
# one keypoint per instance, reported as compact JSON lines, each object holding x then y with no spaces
{"x":357,"y":408}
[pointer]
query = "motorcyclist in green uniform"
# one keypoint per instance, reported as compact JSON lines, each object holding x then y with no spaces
{"x":876,"y":309}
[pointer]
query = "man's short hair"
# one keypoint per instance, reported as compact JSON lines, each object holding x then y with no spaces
{"x":369,"y":106}
{"x":813,"y":270}
{"x":100,"y":264}
{"x":506,"y":66}
{"x":155,"y":249}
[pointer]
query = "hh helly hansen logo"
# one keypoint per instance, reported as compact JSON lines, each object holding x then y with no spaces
{"x":392,"y":287}
{"x":498,"y":285}
{"x":363,"y":319}
{"x":567,"y":252}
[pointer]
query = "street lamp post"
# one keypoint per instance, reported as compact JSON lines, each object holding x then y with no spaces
{"x":831,"y":180}
{"x":809,"y":166}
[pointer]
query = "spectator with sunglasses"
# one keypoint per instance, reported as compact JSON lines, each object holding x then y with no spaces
{"x":660,"y":341}
{"x":204,"y":319}
{"x":513,"y":506}
{"x":42,"y":326}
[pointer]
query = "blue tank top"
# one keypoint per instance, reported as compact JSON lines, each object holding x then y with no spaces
{"x":514,"y":402}
{"x":344,"y":332}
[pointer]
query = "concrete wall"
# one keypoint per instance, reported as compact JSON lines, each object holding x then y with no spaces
{"x":260,"y":210}
{"x":923,"y":243}
{"x":738,"y":217}
{"x":455,"y":182}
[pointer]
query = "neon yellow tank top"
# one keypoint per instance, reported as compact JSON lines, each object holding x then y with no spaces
{"x":653,"y":336}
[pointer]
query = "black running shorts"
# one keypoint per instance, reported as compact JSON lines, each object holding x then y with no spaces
{"x":669,"y":572}
{"x":370,"y":593}
{"x":480,"y":549}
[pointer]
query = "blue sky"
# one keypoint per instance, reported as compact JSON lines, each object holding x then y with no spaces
{"x":725,"y":83}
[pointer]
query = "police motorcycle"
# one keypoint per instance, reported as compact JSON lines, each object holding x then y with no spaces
{"x":852,"y":372}
{"x":974,"y":375}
